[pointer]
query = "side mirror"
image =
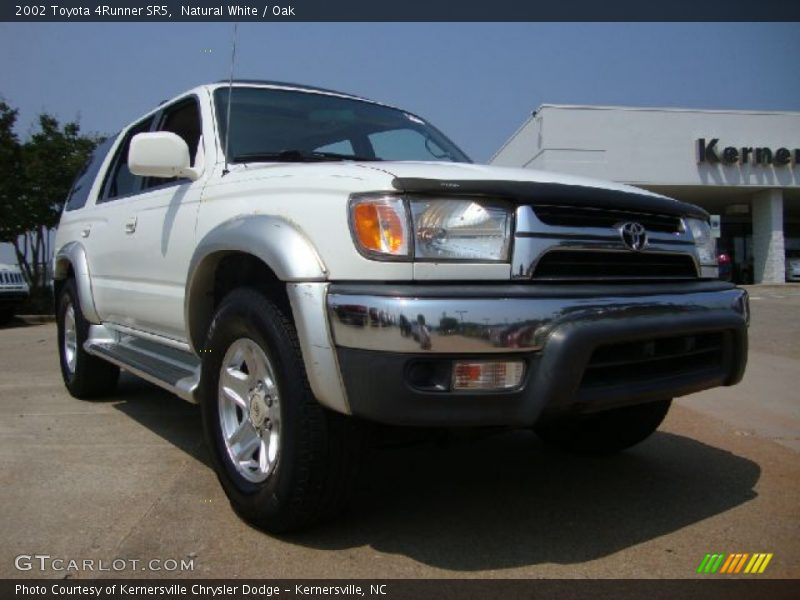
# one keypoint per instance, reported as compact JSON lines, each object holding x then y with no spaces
{"x":160,"y":154}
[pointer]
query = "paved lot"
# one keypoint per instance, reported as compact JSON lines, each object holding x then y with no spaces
{"x":127,"y":477}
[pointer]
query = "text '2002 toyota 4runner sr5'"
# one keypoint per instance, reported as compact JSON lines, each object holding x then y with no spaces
{"x":301,"y":261}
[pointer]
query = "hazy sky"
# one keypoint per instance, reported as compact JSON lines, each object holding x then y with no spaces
{"x":476,"y":82}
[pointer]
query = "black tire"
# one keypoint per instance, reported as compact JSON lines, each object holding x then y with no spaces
{"x":6,"y":314}
{"x":319,"y":450}
{"x":91,"y":377}
{"x":605,"y":432}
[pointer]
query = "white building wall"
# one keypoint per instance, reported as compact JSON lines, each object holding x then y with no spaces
{"x":652,"y":146}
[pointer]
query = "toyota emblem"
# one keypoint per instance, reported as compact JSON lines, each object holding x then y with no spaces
{"x":633,"y":235}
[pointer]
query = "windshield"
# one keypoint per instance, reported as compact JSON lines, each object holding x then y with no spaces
{"x":270,"y":124}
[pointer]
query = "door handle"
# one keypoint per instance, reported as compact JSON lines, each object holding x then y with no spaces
{"x":86,"y":231}
{"x":130,"y":225}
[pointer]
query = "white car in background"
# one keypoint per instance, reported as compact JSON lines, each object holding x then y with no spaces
{"x":13,"y":291}
{"x":793,"y":265}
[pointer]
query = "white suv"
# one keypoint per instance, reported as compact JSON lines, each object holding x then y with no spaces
{"x":301,"y":262}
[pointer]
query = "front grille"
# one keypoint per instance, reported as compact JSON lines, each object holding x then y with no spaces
{"x":10,"y":278}
{"x":601,"y":264}
{"x":576,"y":216}
{"x":643,"y":361}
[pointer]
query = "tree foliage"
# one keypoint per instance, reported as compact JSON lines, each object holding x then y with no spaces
{"x":10,"y":174}
{"x":35,"y":178}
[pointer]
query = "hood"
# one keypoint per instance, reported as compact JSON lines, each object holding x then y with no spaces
{"x":522,"y":186}
{"x":477,"y":172}
{"x":528,"y":186}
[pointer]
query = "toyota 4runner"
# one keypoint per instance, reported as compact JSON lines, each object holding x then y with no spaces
{"x":300,"y":261}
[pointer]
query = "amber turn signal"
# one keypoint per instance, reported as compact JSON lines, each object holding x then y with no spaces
{"x":380,"y":226}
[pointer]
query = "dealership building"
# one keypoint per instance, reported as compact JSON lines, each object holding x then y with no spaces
{"x":743,"y":167}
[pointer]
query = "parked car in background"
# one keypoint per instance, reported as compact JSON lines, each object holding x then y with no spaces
{"x":13,"y":291}
{"x":793,"y":265}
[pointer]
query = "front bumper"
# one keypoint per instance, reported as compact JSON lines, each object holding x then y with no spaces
{"x":585,"y":348}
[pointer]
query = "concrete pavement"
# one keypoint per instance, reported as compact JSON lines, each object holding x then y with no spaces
{"x":127,"y":477}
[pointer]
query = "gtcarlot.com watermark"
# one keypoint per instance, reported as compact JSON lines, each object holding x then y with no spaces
{"x":47,"y":563}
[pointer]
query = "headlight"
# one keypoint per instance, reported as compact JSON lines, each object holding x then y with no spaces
{"x":460,"y":230}
{"x":442,"y":229}
{"x":704,"y":241}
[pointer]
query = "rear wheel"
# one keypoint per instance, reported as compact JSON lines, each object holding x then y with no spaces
{"x":606,"y":432}
{"x":85,"y":376}
{"x":284,"y":461}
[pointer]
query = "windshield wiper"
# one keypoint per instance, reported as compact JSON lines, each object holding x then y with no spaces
{"x":298,"y":156}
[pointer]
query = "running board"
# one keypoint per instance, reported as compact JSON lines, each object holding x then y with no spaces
{"x":172,"y":369}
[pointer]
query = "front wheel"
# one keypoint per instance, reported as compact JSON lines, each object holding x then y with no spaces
{"x":605,"y":432}
{"x":284,"y":461}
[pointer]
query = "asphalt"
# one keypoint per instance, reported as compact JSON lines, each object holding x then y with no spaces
{"x":128,"y":477}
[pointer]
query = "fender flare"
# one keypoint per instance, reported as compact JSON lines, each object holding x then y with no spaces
{"x":276,"y":241}
{"x":74,"y":254}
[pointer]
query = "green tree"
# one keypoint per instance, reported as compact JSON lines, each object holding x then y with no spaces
{"x":32,"y":200}
{"x":11,"y":225}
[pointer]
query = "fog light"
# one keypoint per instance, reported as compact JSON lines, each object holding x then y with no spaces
{"x":487,"y":375}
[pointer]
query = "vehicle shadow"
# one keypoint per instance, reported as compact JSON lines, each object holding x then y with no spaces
{"x":175,"y":420}
{"x":503,"y":501}
{"x":508,"y":501}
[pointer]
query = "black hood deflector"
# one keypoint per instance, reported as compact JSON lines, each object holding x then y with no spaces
{"x":532,"y":192}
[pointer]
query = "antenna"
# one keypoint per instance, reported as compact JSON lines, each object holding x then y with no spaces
{"x":230,"y":90}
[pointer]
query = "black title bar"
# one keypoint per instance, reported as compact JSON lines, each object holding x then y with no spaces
{"x":402,"y":10}
{"x":717,"y":588}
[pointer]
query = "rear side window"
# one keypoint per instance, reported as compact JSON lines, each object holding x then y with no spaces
{"x":120,"y":181}
{"x":83,"y":181}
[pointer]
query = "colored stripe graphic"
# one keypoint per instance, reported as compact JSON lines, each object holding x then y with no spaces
{"x":765,"y":563}
{"x":754,"y":563}
{"x":710,"y":563}
{"x":718,"y":564}
{"x":759,"y":563}
{"x":741,"y":563}
{"x":734,"y":563}
{"x":726,"y":564}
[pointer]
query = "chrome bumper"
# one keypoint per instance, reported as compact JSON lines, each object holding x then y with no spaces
{"x":496,"y":319}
